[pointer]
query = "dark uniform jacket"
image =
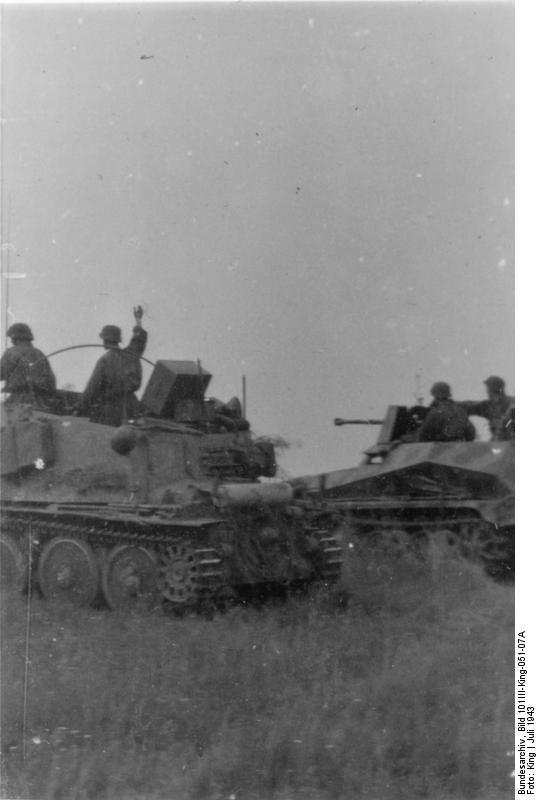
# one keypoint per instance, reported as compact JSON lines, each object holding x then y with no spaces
{"x":109,"y":396}
{"x":446,"y":422}
{"x":27,"y":374}
{"x":500,"y":412}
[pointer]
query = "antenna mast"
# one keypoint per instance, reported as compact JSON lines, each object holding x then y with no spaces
{"x":418,"y":390}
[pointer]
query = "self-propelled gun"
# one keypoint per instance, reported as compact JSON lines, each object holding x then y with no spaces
{"x":408,"y":493}
{"x":180,"y":506}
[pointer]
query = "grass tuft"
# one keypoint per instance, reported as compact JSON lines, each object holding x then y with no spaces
{"x":406,"y":693}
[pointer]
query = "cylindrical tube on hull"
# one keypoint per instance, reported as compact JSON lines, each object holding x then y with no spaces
{"x":250,"y":494}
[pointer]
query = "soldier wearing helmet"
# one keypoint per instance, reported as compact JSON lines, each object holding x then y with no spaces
{"x":109,"y":395}
{"x":446,"y":421}
{"x":26,"y":371}
{"x":498,"y":409}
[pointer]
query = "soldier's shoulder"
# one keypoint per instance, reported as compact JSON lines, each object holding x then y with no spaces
{"x":104,"y":358}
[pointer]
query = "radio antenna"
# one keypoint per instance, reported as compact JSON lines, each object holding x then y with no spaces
{"x":418,"y":394}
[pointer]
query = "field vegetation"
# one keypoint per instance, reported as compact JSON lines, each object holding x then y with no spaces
{"x":406,"y":693}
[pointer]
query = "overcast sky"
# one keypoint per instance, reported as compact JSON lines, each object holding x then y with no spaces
{"x":318,"y":196}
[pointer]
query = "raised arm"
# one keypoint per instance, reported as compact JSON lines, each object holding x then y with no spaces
{"x":139,"y":335}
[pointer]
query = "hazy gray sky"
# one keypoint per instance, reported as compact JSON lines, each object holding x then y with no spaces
{"x":319,"y":196}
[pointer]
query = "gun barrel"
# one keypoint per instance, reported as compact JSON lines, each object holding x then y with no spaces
{"x":339,"y":421}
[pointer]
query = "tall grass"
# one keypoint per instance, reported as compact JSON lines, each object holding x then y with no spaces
{"x":405,"y":694}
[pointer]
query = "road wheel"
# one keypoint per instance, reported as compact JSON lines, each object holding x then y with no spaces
{"x":12,"y":570}
{"x":473,"y":540}
{"x":68,"y":571}
{"x":129,"y":578}
{"x":398,"y":543}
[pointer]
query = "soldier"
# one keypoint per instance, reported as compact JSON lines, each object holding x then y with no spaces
{"x":446,"y":421}
{"x":109,"y":395}
{"x":415,"y":417}
{"x":229,"y":415}
{"x":499,"y":409}
{"x":26,"y":371}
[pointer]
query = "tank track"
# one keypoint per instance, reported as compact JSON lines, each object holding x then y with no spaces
{"x":178,"y":566}
{"x":330,"y":555}
{"x":207,"y":577}
{"x":473,"y":539}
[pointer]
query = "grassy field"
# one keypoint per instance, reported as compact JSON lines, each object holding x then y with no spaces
{"x":405,"y":694}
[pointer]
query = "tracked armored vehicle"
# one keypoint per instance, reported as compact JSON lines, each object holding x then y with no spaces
{"x":170,"y":508}
{"x":407,"y":494}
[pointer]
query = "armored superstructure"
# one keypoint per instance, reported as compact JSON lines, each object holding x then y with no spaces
{"x":407,"y":493}
{"x":179,"y":506}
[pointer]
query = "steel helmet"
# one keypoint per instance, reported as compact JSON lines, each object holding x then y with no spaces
{"x":233,"y":407}
{"x":495,"y":383}
{"x":111,"y":333}
{"x":123,"y":440}
{"x":441,"y":390}
{"x":20,"y":331}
